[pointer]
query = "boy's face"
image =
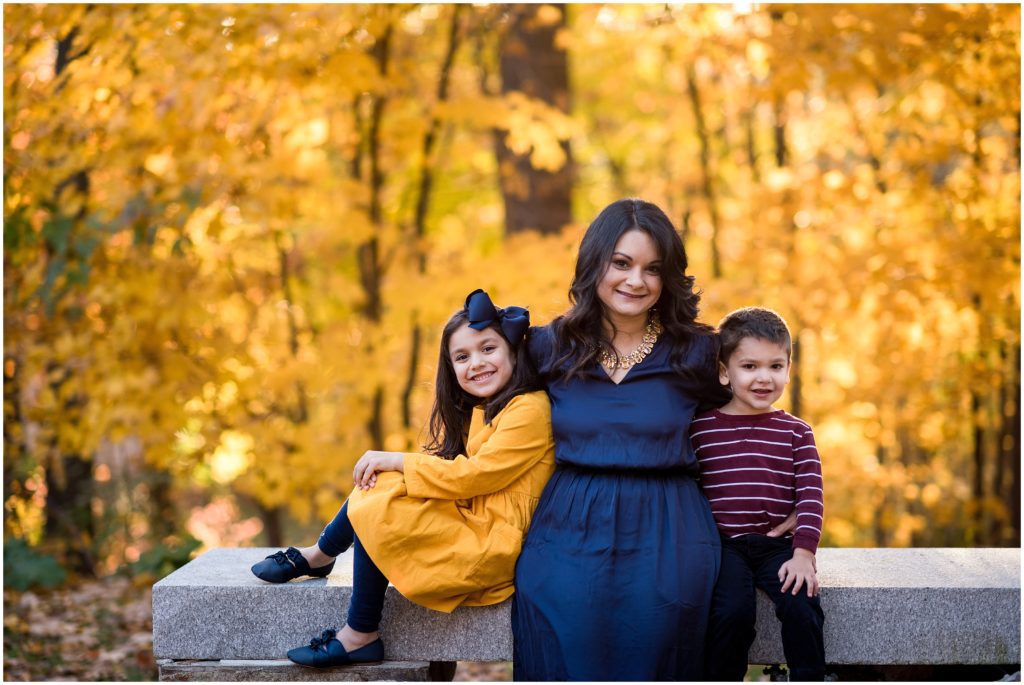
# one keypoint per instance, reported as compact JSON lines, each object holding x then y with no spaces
{"x":758,"y":371}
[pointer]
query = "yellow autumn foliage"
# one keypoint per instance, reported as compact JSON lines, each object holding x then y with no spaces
{"x":210,"y":242}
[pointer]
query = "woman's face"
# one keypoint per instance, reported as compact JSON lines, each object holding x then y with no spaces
{"x":631,"y":285}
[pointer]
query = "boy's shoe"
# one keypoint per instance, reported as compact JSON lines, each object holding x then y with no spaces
{"x":280,"y":567}
{"x":326,"y":652}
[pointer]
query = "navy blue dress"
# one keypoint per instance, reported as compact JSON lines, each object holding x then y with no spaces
{"x":615,"y":577}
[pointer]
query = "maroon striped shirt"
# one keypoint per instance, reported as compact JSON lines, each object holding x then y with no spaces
{"x":754,"y":469}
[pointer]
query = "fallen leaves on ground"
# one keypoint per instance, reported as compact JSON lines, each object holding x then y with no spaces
{"x":87,"y":630}
{"x":483,"y":671}
{"x":103,"y":630}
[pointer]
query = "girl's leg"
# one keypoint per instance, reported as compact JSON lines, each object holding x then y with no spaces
{"x":336,"y":537}
{"x":367,"y":603}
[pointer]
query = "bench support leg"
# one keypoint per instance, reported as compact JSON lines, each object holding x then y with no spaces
{"x":443,"y":671}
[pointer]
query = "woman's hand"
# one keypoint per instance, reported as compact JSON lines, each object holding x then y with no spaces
{"x":365,"y":473}
{"x":798,"y":571}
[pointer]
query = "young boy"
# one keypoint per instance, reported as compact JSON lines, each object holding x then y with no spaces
{"x":757,"y":465}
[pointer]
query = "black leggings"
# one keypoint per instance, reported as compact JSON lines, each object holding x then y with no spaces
{"x":368,"y":583}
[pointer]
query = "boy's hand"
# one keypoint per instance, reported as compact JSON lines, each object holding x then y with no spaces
{"x":798,"y":571}
{"x":787,"y":525}
{"x":365,"y":473}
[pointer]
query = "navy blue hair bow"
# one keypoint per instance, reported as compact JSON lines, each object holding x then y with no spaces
{"x":482,"y":313}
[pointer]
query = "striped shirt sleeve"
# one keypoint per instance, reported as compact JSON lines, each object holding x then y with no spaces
{"x":810,"y":507}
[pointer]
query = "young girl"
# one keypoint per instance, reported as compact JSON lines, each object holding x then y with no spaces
{"x":446,"y":531}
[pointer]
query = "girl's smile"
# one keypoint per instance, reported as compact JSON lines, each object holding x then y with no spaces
{"x":481,"y":377}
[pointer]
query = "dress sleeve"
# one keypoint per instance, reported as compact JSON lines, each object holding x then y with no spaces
{"x":540,"y":345}
{"x":810,"y":507}
{"x":521,"y":438}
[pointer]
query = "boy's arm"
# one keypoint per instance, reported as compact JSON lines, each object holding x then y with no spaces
{"x":810,"y":506}
{"x":800,"y":571}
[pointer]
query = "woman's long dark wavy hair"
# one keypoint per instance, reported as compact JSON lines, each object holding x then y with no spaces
{"x":579,"y":333}
{"x":453,"y":406}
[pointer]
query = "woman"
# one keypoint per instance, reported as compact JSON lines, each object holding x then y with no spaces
{"x":616,"y":573}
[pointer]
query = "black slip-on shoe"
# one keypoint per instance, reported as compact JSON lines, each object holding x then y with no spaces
{"x":280,"y":567}
{"x":327,"y":652}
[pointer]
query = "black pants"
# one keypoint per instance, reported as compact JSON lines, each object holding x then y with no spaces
{"x":749,"y":562}
{"x":368,"y":584}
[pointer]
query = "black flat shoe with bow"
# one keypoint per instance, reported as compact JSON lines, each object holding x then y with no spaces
{"x":280,"y":567}
{"x":327,"y":652}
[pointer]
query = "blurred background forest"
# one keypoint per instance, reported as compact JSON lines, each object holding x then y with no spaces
{"x":232,"y":233}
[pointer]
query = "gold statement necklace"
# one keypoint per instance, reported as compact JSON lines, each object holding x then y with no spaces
{"x":627,"y":361}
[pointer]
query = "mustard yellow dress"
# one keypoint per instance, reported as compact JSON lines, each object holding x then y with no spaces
{"x":448,"y":532}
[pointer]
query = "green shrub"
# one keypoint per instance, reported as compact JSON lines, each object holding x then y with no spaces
{"x":24,"y":567}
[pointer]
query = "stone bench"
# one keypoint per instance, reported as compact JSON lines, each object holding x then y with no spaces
{"x":213,"y":620}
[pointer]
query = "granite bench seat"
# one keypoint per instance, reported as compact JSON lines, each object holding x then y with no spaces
{"x":882,"y":607}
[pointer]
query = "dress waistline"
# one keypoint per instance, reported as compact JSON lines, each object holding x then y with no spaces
{"x":630,"y":472}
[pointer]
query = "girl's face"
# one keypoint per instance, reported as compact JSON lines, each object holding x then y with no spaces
{"x":482,"y":360}
{"x":631,"y":285}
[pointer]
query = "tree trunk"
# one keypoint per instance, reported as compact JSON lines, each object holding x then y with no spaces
{"x":69,"y":481}
{"x":796,"y":378}
{"x":1007,"y":486}
{"x":533,"y":64}
{"x":415,"y":340}
{"x":422,"y":207}
{"x":976,"y":535}
{"x":751,"y":145}
{"x":14,"y":446}
{"x":69,"y":520}
{"x":371,"y":268}
{"x":707,"y":182}
{"x":163,"y":508}
{"x":781,"y":160}
{"x":271,"y":518}
{"x":881,"y":535}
